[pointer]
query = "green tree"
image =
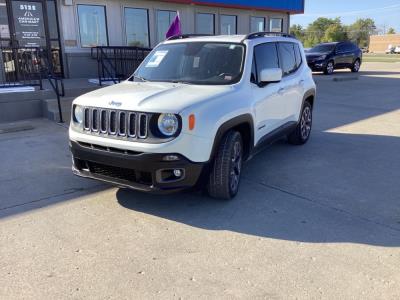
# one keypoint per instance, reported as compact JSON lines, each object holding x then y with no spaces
{"x":391,"y":31}
{"x":335,"y":33}
{"x":298,"y":32}
{"x":315,"y":32}
{"x":360,"y":31}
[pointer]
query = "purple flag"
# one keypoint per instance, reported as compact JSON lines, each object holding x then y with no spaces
{"x":175,"y":28}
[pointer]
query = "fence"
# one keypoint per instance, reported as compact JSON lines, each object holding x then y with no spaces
{"x":21,"y":66}
{"x":117,"y":63}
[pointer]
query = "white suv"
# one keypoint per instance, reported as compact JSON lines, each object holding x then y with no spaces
{"x":195,"y":109}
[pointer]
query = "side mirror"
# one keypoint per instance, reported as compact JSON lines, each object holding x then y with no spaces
{"x":270,"y":75}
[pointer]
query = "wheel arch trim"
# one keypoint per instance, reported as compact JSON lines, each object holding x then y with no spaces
{"x":245,"y":119}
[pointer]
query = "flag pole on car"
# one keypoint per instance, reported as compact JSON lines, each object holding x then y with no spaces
{"x":175,"y":28}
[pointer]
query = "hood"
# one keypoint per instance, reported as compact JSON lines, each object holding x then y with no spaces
{"x":152,"y":96}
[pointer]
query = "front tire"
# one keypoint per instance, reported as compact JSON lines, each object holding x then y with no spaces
{"x":225,"y":173}
{"x":302,"y":132}
{"x":330,"y":67}
{"x":356,"y":66}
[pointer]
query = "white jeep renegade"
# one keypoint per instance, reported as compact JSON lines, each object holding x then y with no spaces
{"x":195,"y":109}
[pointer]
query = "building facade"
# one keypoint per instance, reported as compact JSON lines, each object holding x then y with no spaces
{"x":381,"y":43}
{"x":70,"y":28}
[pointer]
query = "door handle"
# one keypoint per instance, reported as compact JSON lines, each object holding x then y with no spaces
{"x":281,"y":91}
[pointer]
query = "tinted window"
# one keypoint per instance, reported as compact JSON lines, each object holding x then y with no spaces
{"x":228,"y":24}
{"x":205,"y":23}
{"x":323,"y":48}
{"x":351,"y":47}
{"x":52,"y":19}
{"x":288,"y":58}
{"x":4,"y":30}
{"x":266,"y":57}
{"x":298,"y":55}
{"x":137,"y":27}
{"x":92,"y":25}
{"x":341,"y":48}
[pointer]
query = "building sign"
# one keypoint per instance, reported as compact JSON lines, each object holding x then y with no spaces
{"x":291,"y":6}
{"x":28,"y":23}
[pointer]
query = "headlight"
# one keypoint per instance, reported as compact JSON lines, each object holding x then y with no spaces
{"x":322,"y":57}
{"x":78,"y":114}
{"x":168,"y":124}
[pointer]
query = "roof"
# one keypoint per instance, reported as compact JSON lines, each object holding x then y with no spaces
{"x":290,"y":6}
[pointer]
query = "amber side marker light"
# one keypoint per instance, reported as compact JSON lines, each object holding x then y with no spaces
{"x":192,"y":122}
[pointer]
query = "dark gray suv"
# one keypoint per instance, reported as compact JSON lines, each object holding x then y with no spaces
{"x":327,"y":57}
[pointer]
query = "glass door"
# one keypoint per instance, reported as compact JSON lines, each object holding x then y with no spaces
{"x":29,"y":27}
{"x":33,"y":38}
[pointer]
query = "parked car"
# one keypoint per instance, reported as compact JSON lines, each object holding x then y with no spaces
{"x":390,"y":49}
{"x":193,"y":112}
{"x":327,"y":57}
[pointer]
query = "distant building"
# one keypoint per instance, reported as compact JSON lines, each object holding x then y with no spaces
{"x":380,"y":43}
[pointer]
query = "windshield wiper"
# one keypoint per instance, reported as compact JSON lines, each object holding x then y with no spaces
{"x":181,"y":82}
{"x":140,"y":78}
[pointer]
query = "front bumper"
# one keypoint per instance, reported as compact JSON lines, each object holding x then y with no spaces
{"x":147,"y":172}
{"x":317,"y":65}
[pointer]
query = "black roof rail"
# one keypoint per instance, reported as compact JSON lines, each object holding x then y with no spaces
{"x":267,"y":33}
{"x":186,"y":36}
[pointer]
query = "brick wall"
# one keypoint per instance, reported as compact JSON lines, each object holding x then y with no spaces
{"x":380,"y":43}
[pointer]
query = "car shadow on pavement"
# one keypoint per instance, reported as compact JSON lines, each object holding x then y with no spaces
{"x":303,"y":194}
{"x":341,"y":187}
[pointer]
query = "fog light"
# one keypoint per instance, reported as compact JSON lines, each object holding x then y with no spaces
{"x":171,"y":157}
{"x":178,"y":173}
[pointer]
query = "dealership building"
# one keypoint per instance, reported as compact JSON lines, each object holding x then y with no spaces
{"x":69,"y":29}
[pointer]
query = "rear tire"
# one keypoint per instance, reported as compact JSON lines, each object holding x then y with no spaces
{"x":226,"y":171}
{"x":356,"y":66}
{"x":330,"y":68}
{"x":302,"y":132}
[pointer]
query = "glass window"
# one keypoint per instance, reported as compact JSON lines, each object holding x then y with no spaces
{"x":195,"y":63}
{"x":341,"y":48}
{"x":164,"y":21}
{"x":323,"y":48}
{"x":257,"y":24}
{"x":228,"y":24}
{"x":276,"y":25}
{"x":298,"y":55}
{"x":288,"y":58}
{"x":92,"y":25}
{"x":4,"y":29}
{"x":52,"y":19}
{"x":266,"y":57}
{"x":205,"y":23}
{"x":137,"y":27}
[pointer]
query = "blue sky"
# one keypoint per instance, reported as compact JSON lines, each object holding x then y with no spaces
{"x":384,"y":12}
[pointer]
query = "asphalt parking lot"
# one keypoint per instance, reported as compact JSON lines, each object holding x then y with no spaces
{"x":318,"y":221}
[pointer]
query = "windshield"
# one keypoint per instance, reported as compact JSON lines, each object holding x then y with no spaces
{"x":195,"y":63}
{"x":322,"y":48}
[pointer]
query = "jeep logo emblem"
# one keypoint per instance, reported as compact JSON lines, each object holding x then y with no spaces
{"x":115,"y":103}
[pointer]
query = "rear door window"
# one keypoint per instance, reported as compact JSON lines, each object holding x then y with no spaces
{"x":298,"y":55}
{"x":341,"y":48}
{"x":287,"y":58}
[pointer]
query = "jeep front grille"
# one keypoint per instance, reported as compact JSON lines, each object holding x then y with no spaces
{"x":116,"y":123}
